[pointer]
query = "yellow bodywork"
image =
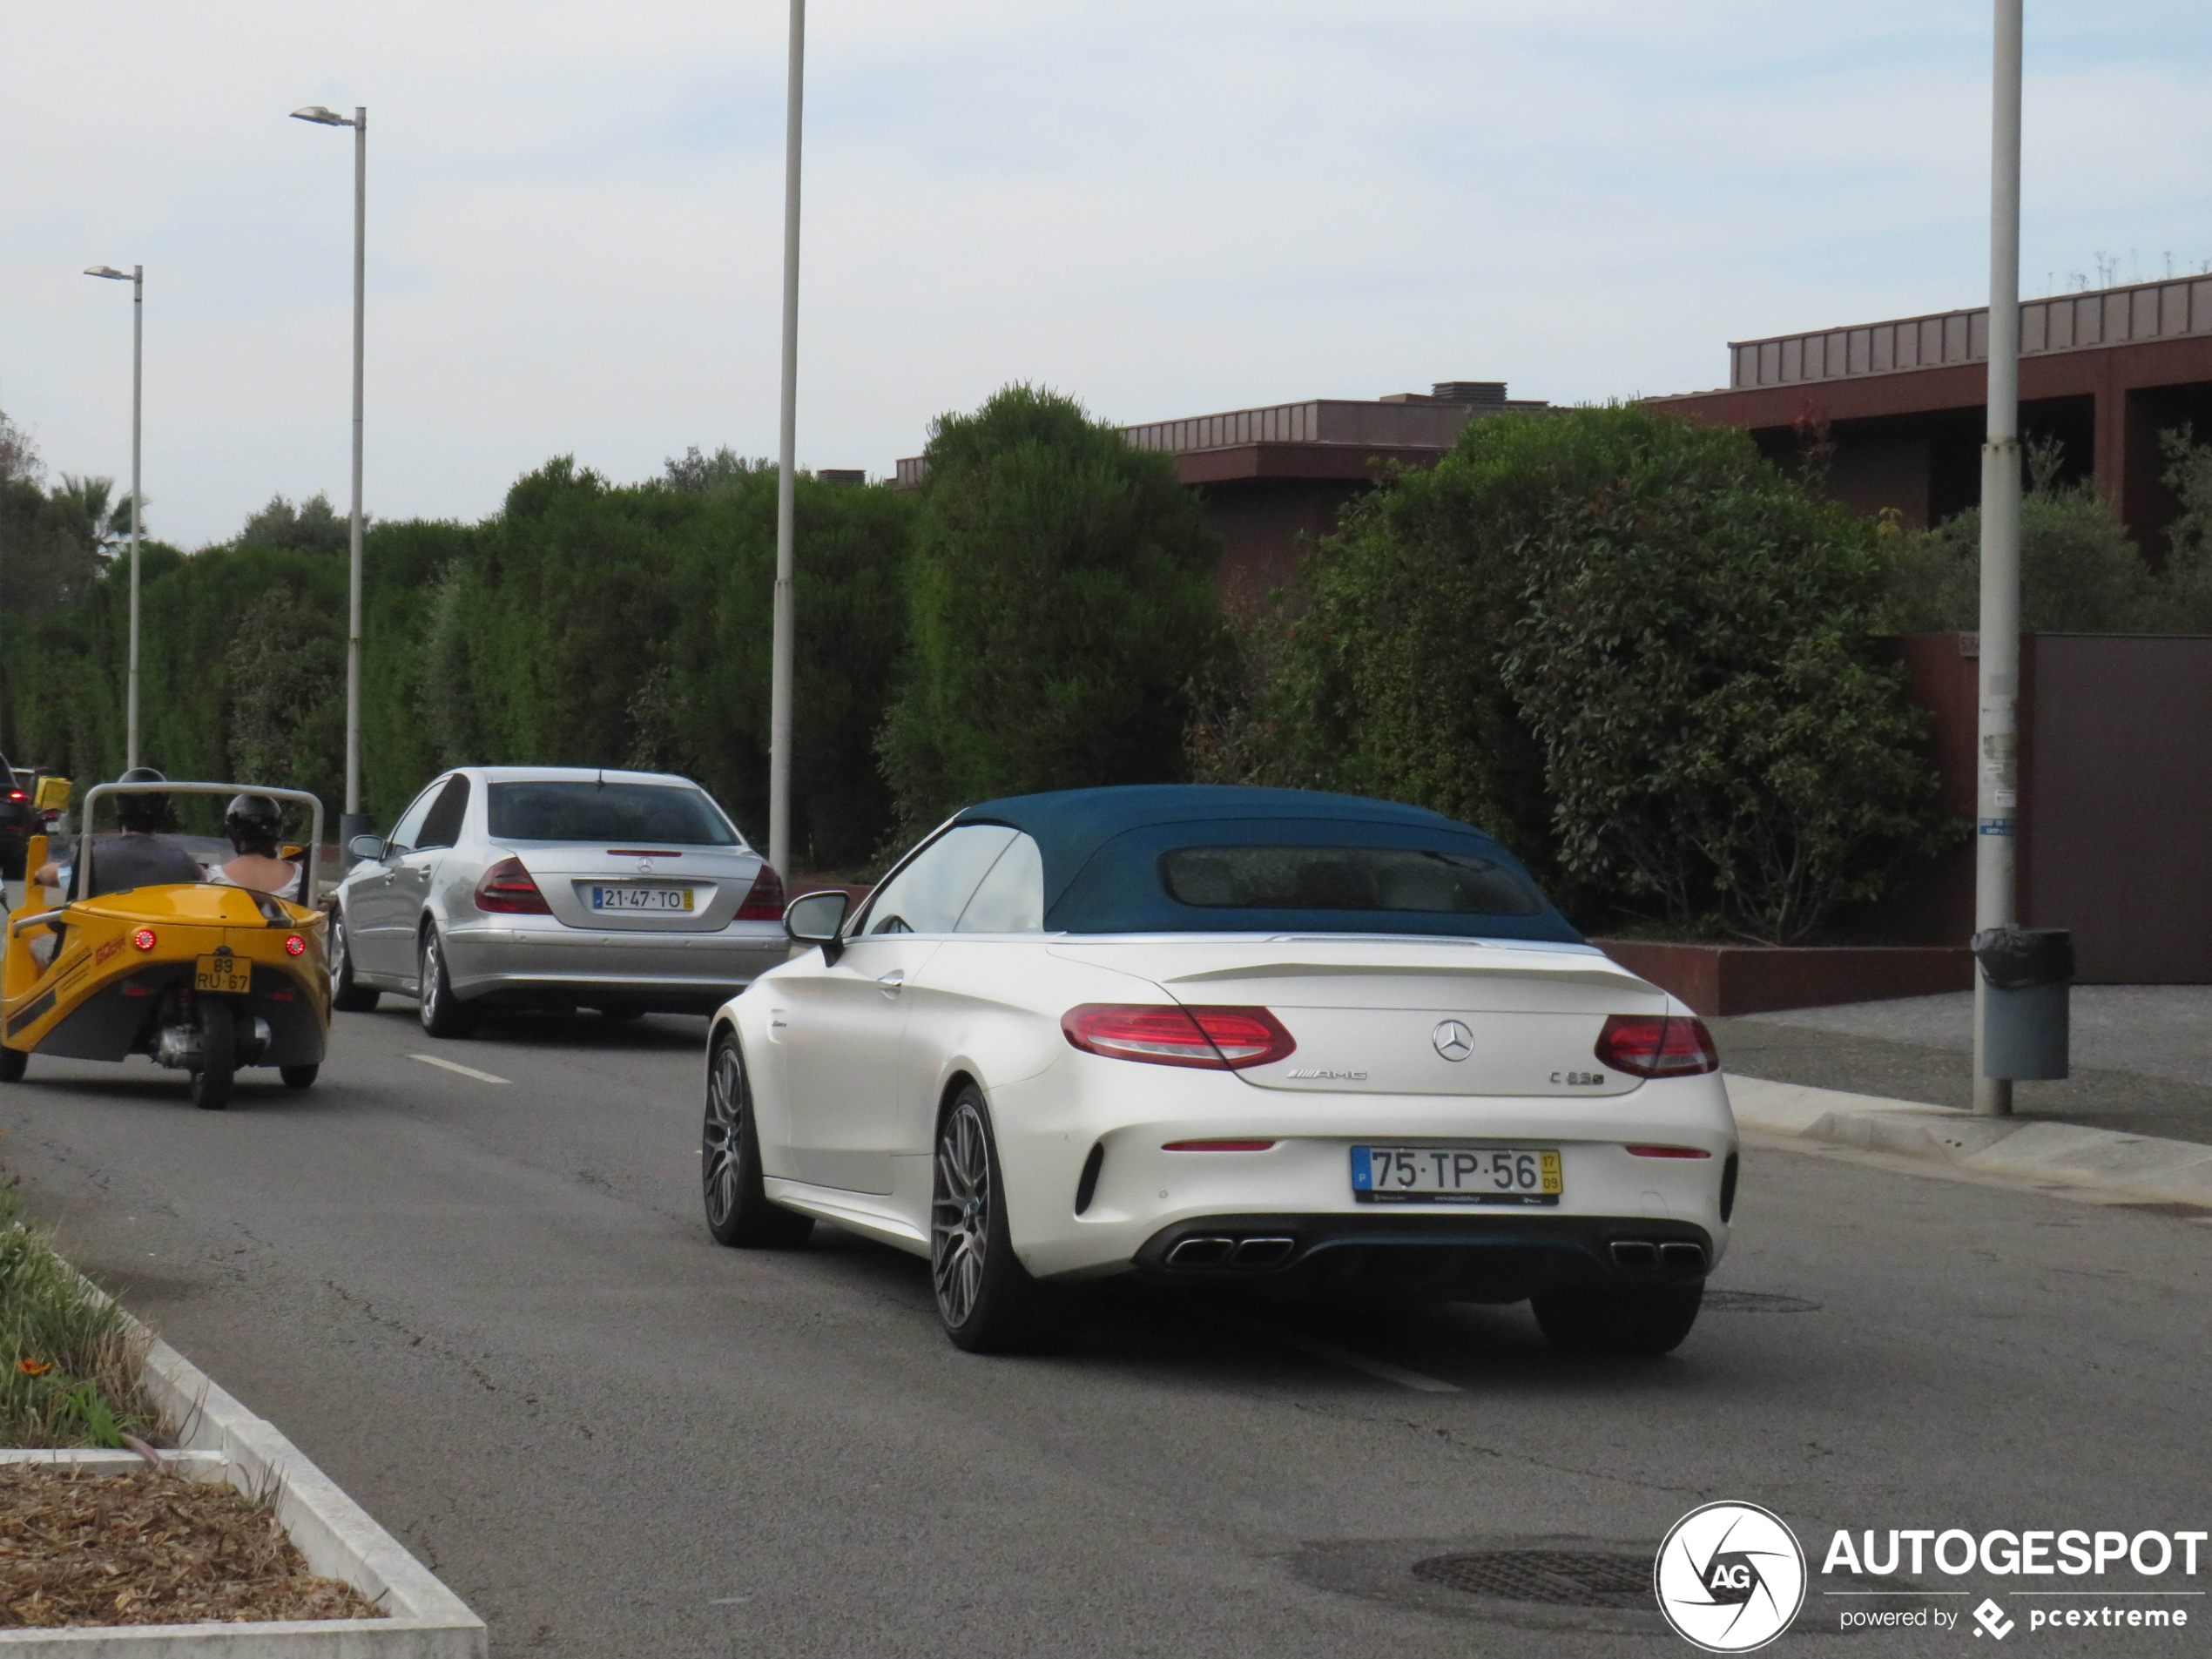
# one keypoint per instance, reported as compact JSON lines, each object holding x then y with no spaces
{"x":100,"y":948}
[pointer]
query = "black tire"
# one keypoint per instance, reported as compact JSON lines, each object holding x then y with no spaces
{"x":1629,"y":1320}
{"x":987,"y":1301}
{"x":737,"y":1210}
{"x":442,"y":1013}
{"x":298,"y":1077}
{"x":12,"y":1063}
{"x":210,"y":1084}
{"x":345,"y":997}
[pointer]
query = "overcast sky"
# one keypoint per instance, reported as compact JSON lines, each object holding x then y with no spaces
{"x":575,"y":213}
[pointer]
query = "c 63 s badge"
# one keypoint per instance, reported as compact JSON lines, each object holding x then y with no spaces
{"x":1730,"y":1577}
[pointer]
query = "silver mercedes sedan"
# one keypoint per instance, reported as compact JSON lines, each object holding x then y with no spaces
{"x":554,"y":887}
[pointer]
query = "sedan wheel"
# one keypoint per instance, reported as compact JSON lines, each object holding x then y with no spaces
{"x":737,"y":1210}
{"x":345,"y":996}
{"x":1619,"y":1319}
{"x":986,"y":1297}
{"x":442,"y":1014}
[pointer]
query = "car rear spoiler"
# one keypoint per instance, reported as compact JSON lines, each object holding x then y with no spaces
{"x":310,"y":891}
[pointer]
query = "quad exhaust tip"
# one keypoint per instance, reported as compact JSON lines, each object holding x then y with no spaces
{"x":1253,"y":1255}
{"x":1644,"y":1255}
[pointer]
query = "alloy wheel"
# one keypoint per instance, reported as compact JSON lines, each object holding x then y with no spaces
{"x":720,"y":1140}
{"x":960,"y":1213}
{"x":426,"y":990}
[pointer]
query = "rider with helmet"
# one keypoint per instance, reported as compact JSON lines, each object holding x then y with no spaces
{"x":139,"y":856}
{"x":255,"y":824}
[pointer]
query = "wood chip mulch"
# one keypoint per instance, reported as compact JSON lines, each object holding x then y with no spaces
{"x":153,"y":1548}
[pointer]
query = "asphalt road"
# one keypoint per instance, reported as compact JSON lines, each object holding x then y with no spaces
{"x":490,"y":1311}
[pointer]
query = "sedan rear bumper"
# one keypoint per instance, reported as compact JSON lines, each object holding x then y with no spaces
{"x":1445,"y":1257}
{"x":557,"y":965}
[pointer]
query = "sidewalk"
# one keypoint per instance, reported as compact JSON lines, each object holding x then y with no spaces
{"x":2142,"y":1058}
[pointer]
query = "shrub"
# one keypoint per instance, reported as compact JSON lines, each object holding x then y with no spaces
{"x":1060,"y":606}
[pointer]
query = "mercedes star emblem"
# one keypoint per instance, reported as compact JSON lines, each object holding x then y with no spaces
{"x":1453,"y":1040}
{"x":644,"y":866}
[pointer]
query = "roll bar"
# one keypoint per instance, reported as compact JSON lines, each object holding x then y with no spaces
{"x":311,"y":891}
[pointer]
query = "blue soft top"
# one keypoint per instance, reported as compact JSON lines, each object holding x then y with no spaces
{"x":1101,"y":849}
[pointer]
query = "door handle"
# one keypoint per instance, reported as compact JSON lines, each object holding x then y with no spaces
{"x":892,"y":982}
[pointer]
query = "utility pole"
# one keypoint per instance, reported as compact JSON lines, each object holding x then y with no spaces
{"x":1997,"y":782}
{"x":137,"y":281}
{"x":786,"y":473}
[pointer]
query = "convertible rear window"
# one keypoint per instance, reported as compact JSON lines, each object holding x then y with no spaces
{"x":579,"y":810}
{"x":1345,"y":878}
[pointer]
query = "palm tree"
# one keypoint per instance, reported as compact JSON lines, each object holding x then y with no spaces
{"x":93,"y":514}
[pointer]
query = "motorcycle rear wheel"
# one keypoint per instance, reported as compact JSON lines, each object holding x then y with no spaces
{"x":210,"y":1084}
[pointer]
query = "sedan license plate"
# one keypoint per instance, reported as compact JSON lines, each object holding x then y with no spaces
{"x":675,"y":899}
{"x":1455,"y":1175}
{"x":225,"y":975}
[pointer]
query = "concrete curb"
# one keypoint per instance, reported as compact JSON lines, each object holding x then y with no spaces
{"x":222,"y":1440}
{"x":2140,"y":1168}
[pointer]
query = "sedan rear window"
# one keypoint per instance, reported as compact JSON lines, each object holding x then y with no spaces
{"x":1345,"y":878}
{"x":579,"y":810}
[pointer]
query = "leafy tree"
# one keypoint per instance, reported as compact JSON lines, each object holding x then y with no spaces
{"x":314,"y":526}
{"x":286,"y":722}
{"x":1060,"y":606}
{"x":1634,"y":650}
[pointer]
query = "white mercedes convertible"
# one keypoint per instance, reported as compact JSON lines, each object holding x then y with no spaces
{"x":1271,"y":1038}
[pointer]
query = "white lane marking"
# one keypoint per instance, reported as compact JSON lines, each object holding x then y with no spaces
{"x":1335,"y":1355}
{"x":452,"y":1065}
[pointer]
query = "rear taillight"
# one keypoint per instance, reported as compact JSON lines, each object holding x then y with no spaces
{"x":144,"y":939}
{"x":17,"y":794}
{"x":763,"y":901}
{"x":507,"y":890}
{"x":1657,"y":1045}
{"x":1217,"y":1038}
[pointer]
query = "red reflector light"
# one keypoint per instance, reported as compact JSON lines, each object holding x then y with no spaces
{"x":1657,"y":1045}
{"x":1667,"y":1152}
{"x":507,"y":890}
{"x":1217,"y":1146}
{"x":763,"y":900}
{"x":143,"y":939}
{"x":1221,"y":1039}
{"x":295,"y":946}
{"x":279,"y":996}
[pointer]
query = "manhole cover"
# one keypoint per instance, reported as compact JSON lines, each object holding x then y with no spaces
{"x":1556,"y":1577}
{"x":1755,"y":1302}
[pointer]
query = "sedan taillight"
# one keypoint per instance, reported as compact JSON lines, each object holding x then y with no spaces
{"x":1221,"y":1039}
{"x":1657,"y":1045}
{"x":507,"y":890}
{"x":763,"y":901}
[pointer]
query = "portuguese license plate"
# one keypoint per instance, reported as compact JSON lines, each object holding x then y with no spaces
{"x":675,"y":899}
{"x":225,"y":975}
{"x":1455,"y":1175}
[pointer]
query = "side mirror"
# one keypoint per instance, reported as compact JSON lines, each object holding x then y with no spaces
{"x":367,"y":847}
{"x":819,"y":918}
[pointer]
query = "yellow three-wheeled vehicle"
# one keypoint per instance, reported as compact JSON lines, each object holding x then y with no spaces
{"x":202,"y":978}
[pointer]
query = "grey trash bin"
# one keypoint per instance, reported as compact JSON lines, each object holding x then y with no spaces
{"x":2025,"y":973}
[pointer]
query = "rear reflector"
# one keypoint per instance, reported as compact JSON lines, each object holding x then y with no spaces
{"x":1220,"y":1038}
{"x":1657,"y":1045}
{"x":1667,"y":1152}
{"x":1217,"y":1146}
{"x":507,"y":890}
{"x":763,"y":901}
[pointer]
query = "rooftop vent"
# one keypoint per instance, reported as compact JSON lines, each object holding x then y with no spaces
{"x":1468,"y":391}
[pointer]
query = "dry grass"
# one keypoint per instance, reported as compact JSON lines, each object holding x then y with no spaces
{"x":80,"y":1548}
{"x":70,"y":1360}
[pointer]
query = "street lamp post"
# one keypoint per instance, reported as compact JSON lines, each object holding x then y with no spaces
{"x":353,"y":822}
{"x":786,"y":482}
{"x":138,"y":281}
{"x":1997,"y":786}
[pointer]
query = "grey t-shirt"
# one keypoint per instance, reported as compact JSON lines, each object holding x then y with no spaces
{"x":128,"y":860}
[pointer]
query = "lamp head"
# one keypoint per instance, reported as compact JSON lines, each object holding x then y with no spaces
{"x":107,"y":271}
{"x":320,"y":117}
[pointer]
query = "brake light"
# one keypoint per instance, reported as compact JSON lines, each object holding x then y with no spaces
{"x":143,"y":939}
{"x":763,"y":900}
{"x":507,"y":890}
{"x":17,"y":794}
{"x":1165,"y":1034}
{"x":295,"y":946}
{"x":1657,"y":1045}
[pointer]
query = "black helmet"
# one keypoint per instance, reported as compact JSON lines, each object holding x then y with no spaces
{"x":253,"y":822}
{"x":142,"y":812}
